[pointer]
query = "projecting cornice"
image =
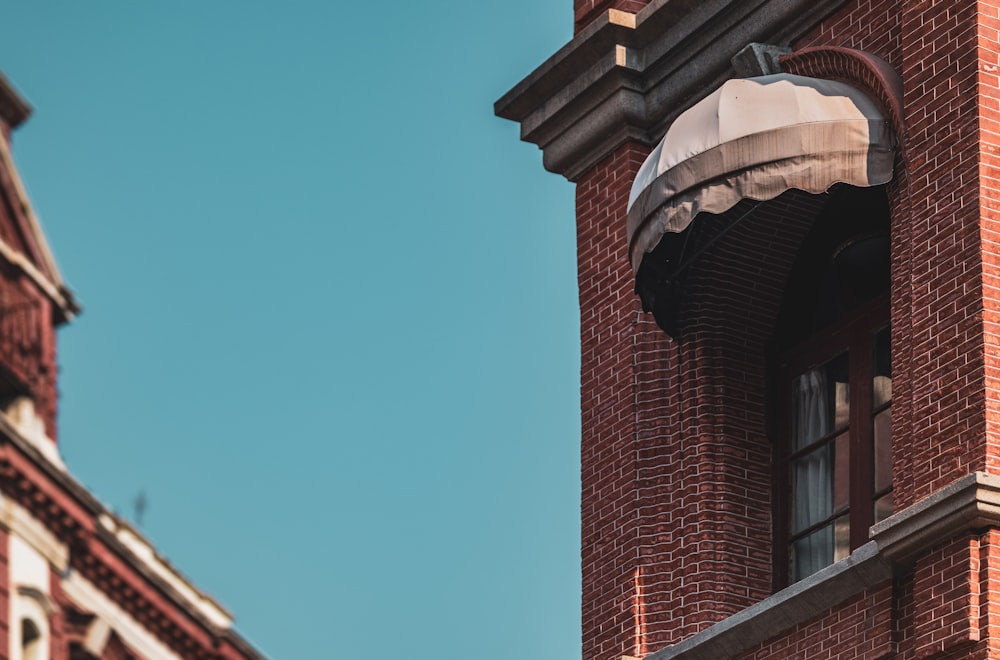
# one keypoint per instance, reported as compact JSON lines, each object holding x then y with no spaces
{"x":972,"y":502}
{"x":106,"y":551}
{"x":625,"y":77}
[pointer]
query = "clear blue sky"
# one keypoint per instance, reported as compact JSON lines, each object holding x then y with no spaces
{"x":330,"y":319}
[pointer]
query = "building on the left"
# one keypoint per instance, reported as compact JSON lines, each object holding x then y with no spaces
{"x":76,"y":581}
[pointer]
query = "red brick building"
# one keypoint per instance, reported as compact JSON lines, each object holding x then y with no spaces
{"x":76,"y":581}
{"x":788,"y":231}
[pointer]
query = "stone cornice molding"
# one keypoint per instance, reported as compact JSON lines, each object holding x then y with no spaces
{"x":972,"y":502}
{"x":789,"y":607}
{"x":625,"y":77}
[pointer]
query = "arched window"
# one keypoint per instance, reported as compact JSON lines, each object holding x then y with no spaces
{"x":30,"y":609}
{"x":31,"y":641}
{"x":832,"y":388}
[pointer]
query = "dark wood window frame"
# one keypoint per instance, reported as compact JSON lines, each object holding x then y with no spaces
{"x":856,"y":334}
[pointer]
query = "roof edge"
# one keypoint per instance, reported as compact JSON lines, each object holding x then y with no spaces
{"x":46,"y":273}
{"x":13,"y":108}
{"x":82,"y":522}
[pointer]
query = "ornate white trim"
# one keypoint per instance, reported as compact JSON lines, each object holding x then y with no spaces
{"x":20,"y":523}
{"x":91,"y":599}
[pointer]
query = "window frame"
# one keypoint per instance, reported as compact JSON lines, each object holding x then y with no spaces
{"x":855,"y":332}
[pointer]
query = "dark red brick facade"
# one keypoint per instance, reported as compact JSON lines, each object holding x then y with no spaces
{"x":615,"y":338}
{"x":27,"y":332}
{"x":676,"y":450}
{"x":685,"y":500}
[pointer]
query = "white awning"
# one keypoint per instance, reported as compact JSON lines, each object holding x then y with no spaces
{"x":754,"y":138}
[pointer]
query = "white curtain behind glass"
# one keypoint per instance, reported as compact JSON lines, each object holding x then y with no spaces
{"x":813,"y":496}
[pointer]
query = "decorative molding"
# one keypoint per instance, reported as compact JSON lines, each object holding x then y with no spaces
{"x":112,"y":616}
{"x":22,"y":415}
{"x":97,"y":637}
{"x":72,"y":515}
{"x":57,"y":294}
{"x":146,"y":555}
{"x":625,"y":77}
{"x":19,"y":522}
{"x":971,"y":502}
{"x":43,"y":599}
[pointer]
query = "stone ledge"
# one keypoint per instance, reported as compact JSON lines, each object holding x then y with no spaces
{"x":969,"y":503}
{"x":972,"y":502}
{"x":789,"y":607}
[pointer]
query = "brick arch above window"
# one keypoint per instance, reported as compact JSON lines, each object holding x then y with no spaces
{"x":858,"y":68}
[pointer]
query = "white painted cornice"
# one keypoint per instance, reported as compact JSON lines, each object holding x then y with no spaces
{"x":18,"y":521}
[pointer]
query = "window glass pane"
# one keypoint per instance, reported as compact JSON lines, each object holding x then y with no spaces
{"x":812,"y":487}
{"x":821,"y":548}
{"x":882,"y":383}
{"x":883,"y":507}
{"x":811,"y":553}
{"x":820,"y":401}
{"x":883,"y":449}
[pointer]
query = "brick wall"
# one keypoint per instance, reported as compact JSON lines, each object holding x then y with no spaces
{"x":947,"y":593}
{"x":989,"y":584}
{"x":947,"y":606}
{"x":4,"y":594}
{"x":988,"y":79}
{"x":58,"y":641}
{"x":27,"y":334}
{"x":941,"y":338}
{"x":611,"y":337}
{"x":860,"y":628}
{"x":675,"y":454}
{"x":869,"y":25}
{"x":675,"y":516}
{"x":937,"y":302}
